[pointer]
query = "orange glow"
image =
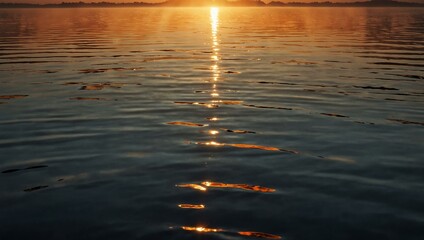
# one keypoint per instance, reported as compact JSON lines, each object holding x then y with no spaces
{"x":192,"y":206}
{"x":92,"y":87}
{"x":211,"y":105}
{"x":213,"y":132}
{"x":213,"y":119}
{"x":246,"y":146}
{"x":201,"y":229}
{"x":214,"y":12}
{"x":193,"y":186}
{"x":211,"y":143}
{"x":231,"y":102}
{"x":251,"y":146}
{"x":214,"y":19}
{"x":188,"y":124}
{"x":238,"y":186}
{"x":260,"y":235}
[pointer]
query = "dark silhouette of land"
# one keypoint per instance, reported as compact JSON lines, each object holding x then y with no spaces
{"x":229,"y":3}
{"x":372,"y":3}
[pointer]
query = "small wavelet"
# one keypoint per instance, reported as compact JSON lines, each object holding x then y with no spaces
{"x":35,"y":188}
{"x":208,"y":105}
{"x":237,"y":131}
{"x":192,"y":186}
{"x":247,"y":187}
{"x":187,"y":124}
{"x":88,"y":99}
{"x":23,"y":169}
{"x":201,"y":229}
{"x":246,"y":146}
{"x":406,"y":121}
{"x":8,"y":97}
{"x":334,"y":115}
{"x":260,"y":235}
{"x":191,"y":206}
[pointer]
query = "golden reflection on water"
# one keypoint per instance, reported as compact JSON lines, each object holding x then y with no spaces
{"x":188,"y":124}
{"x":213,"y":132}
{"x":208,"y":184}
{"x":214,"y":15}
{"x":192,"y":206}
{"x":193,"y":186}
{"x":212,"y":119}
{"x":260,"y":235}
{"x":213,"y":143}
{"x":214,"y":103}
{"x":201,"y":229}
{"x":238,"y":186}
{"x":214,"y":19}
{"x":245,"y":146}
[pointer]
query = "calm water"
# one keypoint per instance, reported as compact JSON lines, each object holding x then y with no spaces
{"x":236,"y":123}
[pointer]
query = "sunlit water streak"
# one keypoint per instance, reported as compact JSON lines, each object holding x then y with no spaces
{"x":216,"y":72}
{"x":211,"y":123}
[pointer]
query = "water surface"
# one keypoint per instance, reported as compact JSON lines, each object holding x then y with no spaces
{"x":207,"y":123}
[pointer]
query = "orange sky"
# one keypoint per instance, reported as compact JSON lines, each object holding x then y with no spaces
{"x":59,"y":1}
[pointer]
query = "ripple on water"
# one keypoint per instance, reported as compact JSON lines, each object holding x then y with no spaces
{"x":228,"y":232}
{"x":204,"y":186}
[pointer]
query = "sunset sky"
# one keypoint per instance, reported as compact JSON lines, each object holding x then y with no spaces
{"x":59,"y":1}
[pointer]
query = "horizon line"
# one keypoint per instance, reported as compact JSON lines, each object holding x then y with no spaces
{"x":220,"y":3}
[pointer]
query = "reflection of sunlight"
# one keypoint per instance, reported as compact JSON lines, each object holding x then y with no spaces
{"x":215,"y":70}
{"x":213,"y":132}
{"x":192,"y":206}
{"x":214,"y":21}
{"x":201,"y":229}
{"x":214,"y":16}
{"x":193,"y":186}
{"x":212,"y":143}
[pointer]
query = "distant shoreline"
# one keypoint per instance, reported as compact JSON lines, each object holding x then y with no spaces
{"x":221,"y":3}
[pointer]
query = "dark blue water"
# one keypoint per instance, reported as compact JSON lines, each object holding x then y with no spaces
{"x":207,"y":123}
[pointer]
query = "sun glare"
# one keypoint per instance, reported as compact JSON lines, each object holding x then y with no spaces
{"x":214,"y":24}
{"x":214,"y":18}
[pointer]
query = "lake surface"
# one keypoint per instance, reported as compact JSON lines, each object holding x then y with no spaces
{"x":212,"y":123}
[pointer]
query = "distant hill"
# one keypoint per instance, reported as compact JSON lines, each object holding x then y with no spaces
{"x":229,"y":3}
{"x":372,"y":3}
{"x":78,"y":5}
